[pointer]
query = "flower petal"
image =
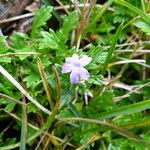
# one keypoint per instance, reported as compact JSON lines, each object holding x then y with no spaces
{"x":66,"y":68}
{"x":85,"y":60}
{"x":84,"y":74}
{"x":74,"y":77}
{"x":72,"y":59}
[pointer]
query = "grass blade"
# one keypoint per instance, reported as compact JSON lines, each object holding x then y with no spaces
{"x":112,"y":48}
{"x":113,"y":127}
{"x":23,"y":128}
{"x":144,"y":16}
{"x":124,"y":110}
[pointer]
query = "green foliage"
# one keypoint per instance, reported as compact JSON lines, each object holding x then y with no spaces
{"x":51,"y":40}
{"x":3,"y":48}
{"x":69,"y":23}
{"x":124,"y":110}
{"x":143,"y":26}
{"x":39,"y":22}
{"x":101,"y":103}
{"x":88,"y":115}
{"x":123,"y":144}
{"x":19,"y":44}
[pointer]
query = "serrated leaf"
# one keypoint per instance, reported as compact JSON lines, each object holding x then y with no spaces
{"x":5,"y":59}
{"x":70,"y":22}
{"x":7,"y":142}
{"x":134,"y":9}
{"x":31,"y":79}
{"x":10,"y":106}
{"x":85,"y":132}
{"x":65,"y":113}
{"x":3,"y":47}
{"x":123,"y":144}
{"x":96,"y":53}
{"x":41,"y":16}
{"x":101,"y":103}
{"x":19,"y":44}
{"x":32,"y":108}
{"x":51,"y":40}
{"x":143,"y":26}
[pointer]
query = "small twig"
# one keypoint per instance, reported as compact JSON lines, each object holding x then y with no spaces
{"x":40,"y":141}
{"x":143,"y":51}
{"x":10,"y":124}
{"x":20,"y":53}
{"x":61,"y":4}
{"x":85,"y":14}
{"x":76,"y":5}
{"x":13,"y":99}
{"x":130,"y":44}
{"x":65,"y":7}
{"x":119,"y":85}
{"x":82,"y":5}
{"x":16,"y":18}
{"x":116,"y":99}
{"x":137,"y":62}
{"x":127,"y":62}
{"x":90,"y":141}
{"x":110,"y":83}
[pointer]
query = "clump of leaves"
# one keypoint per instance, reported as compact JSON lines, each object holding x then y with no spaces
{"x":107,"y":110}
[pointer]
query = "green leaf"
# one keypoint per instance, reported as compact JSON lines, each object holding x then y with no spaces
{"x":3,"y":47}
{"x":32,"y":108}
{"x":7,"y":142}
{"x":98,"y":15}
{"x":41,"y":16}
{"x":70,"y":22}
{"x":19,"y":40}
{"x":98,"y":55}
{"x":51,"y":40}
{"x":143,"y":26}
{"x":65,"y":113}
{"x":31,"y":79}
{"x":124,"y":144}
{"x":85,"y":132}
{"x":144,"y":16}
{"x":5,"y":59}
{"x":101,"y":103}
{"x":124,"y":110}
{"x":19,"y":44}
{"x":9,"y":104}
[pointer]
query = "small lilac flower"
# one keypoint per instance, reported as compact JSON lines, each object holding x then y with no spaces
{"x":75,"y":65}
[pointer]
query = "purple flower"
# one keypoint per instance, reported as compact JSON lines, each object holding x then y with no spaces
{"x":75,"y":65}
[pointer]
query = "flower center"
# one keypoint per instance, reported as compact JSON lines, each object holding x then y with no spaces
{"x":77,"y":64}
